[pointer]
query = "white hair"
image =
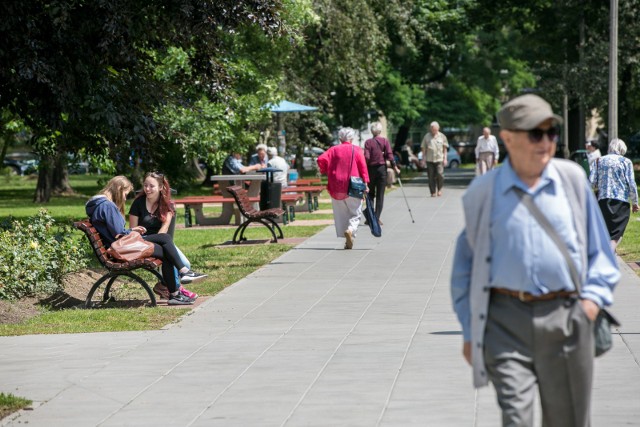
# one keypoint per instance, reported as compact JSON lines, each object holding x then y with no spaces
{"x":617,"y":146}
{"x":261,"y":147}
{"x":272,"y":151}
{"x":436,"y":124}
{"x":376,"y":128}
{"x":346,"y":134}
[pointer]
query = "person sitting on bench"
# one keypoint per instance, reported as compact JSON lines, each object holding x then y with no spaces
{"x":154,"y":210}
{"x":106,"y":213}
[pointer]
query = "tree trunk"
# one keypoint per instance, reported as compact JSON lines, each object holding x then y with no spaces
{"x":199,"y":173}
{"x":60,"y":176}
{"x":45,"y":180}
{"x":401,"y":136}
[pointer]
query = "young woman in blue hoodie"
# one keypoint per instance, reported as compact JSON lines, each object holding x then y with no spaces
{"x":106,"y":213}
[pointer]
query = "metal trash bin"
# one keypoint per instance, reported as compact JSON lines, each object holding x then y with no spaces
{"x":270,"y":192}
{"x":270,"y":195}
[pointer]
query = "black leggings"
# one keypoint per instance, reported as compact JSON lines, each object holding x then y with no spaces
{"x":165,"y":249}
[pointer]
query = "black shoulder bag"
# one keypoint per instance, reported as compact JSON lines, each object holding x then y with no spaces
{"x":605,"y":320}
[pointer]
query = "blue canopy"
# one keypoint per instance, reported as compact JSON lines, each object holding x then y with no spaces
{"x":289,"y":107}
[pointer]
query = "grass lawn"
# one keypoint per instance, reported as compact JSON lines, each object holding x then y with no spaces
{"x":10,"y":403}
{"x":224,"y":264}
{"x":629,"y":247}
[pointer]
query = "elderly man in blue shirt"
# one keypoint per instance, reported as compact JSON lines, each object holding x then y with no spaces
{"x":233,"y":165}
{"x":524,"y":323}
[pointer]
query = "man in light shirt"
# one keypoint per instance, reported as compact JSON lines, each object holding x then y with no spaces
{"x":278,"y":162}
{"x":434,"y":157}
{"x":487,"y":152}
{"x":525,"y":326}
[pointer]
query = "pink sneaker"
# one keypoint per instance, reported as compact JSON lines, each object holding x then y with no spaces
{"x":188,"y":293}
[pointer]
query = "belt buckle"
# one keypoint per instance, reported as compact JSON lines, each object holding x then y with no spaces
{"x":521,"y":296}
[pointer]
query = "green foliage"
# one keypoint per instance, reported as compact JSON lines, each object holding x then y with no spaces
{"x":402,"y":100}
{"x":35,"y":254}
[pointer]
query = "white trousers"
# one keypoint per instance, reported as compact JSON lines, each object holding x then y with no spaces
{"x":346,"y":215}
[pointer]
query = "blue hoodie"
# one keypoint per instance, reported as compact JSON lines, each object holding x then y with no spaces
{"x":106,"y":218}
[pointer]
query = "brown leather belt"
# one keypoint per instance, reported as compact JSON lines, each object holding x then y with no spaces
{"x":527,"y":297}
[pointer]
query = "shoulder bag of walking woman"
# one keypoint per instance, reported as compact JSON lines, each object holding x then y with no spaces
{"x":131,"y":247}
{"x":356,"y":184}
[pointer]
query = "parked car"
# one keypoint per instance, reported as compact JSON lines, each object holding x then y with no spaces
{"x":21,"y":163}
{"x":453,"y":158}
{"x":77,"y":165}
{"x":308,"y":159}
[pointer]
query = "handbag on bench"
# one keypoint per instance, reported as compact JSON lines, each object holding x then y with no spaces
{"x":131,"y":247}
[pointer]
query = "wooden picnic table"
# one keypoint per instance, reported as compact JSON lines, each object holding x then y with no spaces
{"x":226,"y":199}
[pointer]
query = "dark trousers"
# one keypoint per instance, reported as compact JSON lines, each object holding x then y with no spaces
{"x":377,"y":185}
{"x":165,"y":249}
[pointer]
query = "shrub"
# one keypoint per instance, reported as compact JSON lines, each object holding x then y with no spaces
{"x":35,"y":255}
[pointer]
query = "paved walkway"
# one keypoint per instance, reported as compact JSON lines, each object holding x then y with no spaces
{"x":319,"y":337}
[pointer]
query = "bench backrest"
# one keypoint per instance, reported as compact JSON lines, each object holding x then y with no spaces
{"x":241,"y":197}
{"x":96,"y":242}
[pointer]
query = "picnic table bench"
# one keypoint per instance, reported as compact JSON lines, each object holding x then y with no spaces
{"x":306,"y":181}
{"x":116,"y":268}
{"x":310,"y":191}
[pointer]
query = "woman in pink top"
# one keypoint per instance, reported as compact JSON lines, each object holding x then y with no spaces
{"x":340,"y":163}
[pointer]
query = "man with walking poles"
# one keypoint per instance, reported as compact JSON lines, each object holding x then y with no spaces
{"x":527,"y":321}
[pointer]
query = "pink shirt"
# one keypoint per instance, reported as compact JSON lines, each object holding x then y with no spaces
{"x":335,"y":164}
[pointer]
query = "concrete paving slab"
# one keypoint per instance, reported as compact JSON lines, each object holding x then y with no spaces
{"x":319,"y":337}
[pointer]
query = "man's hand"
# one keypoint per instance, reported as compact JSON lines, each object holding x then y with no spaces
{"x":466,"y":351}
{"x":590,"y":308}
{"x":397,"y":169}
{"x":444,"y":162}
{"x":635,"y":208}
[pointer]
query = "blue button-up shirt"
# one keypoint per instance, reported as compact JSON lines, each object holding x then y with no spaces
{"x":613,"y":176}
{"x":523,"y":256}
{"x":233,"y":165}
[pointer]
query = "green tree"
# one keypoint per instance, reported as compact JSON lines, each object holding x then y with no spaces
{"x":82,"y":74}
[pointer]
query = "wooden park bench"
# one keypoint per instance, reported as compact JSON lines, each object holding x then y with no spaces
{"x":288,"y":200}
{"x":265,"y":217}
{"x":115,"y":267}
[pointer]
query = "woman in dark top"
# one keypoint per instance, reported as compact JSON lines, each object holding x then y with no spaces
{"x":154,"y":210}
{"x":106,"y":212}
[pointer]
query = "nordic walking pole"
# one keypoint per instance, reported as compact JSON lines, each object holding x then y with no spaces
{"x":405,"y":199}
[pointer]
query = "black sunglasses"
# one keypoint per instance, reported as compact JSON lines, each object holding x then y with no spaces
{"x":536,"y":135}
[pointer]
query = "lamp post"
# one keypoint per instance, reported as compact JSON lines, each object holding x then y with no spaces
{"x":613,"y":70}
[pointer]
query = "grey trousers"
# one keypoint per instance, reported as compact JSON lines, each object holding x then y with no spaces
{"x":548,"y":344}
{"x":435,"y":173}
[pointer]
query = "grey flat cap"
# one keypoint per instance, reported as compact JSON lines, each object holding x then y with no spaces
{"x":526,"y":112}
